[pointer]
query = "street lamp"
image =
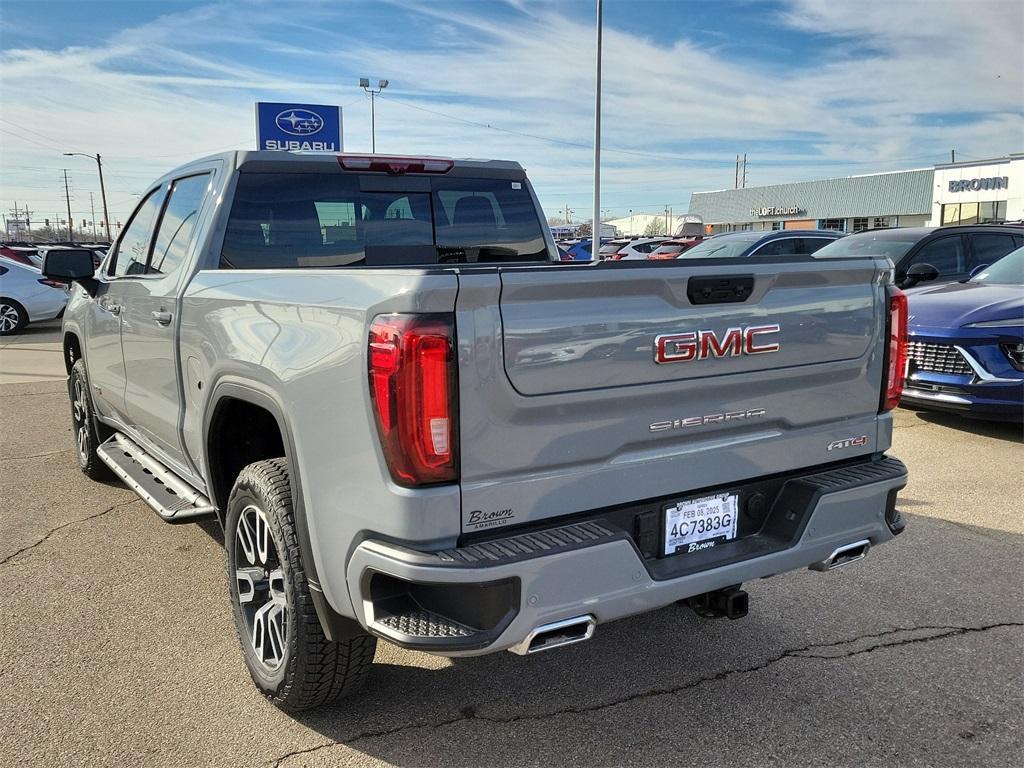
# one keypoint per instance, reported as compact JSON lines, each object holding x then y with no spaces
{"x":364,"y":83}
{"x":103,"y":191}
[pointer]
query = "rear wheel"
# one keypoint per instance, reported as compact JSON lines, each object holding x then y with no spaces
{"x":289,"y":659}
{"x":13,"y":317}
{"x":83,"y":423}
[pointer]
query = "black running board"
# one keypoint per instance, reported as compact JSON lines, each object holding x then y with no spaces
{"x":174,"y":500}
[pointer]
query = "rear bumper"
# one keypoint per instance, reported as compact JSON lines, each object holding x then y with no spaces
{"x":432,"y":601}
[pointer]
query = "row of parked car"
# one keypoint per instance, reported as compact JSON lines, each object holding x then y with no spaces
{"x":25,"y":295}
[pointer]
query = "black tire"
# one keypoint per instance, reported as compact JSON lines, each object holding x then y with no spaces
{"x":13,"y":317}
{"x":85,"y":429}
{"x":306,"y":670}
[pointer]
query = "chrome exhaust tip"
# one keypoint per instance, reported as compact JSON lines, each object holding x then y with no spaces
{"x":849,"y":553}
{"x":556,"y":635}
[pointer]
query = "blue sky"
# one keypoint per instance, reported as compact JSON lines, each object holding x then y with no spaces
{"x":807,"y":88}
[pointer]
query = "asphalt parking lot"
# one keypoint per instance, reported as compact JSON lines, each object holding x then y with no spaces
{"x":117,"y":647}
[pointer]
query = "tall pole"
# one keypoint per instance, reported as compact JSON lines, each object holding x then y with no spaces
{"x":67,"y":197}
{"x":373,"y":128}
{"x":595,"y":232}
{"x":736,"y":183}
{"x":744,"y":170}
{"x":103,"y":193}
{"x":952,"y":155}
{"x":92,"y":207}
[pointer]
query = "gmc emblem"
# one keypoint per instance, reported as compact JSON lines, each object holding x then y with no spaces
{"x":700,"y":345}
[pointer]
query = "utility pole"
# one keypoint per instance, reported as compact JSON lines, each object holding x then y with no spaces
{"x":952,"y":155}
{"x":631,"y":232}
{"x":103,"y":194}
{"x":666,"y":219}
{"x":92,"y":207}
{"x":744,"y":170}
{"x":103,"y":189}
{"x":736,"y":182}
{"x":67,"y":197}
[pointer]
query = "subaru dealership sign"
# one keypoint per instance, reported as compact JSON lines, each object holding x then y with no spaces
{"x":312,"y":127}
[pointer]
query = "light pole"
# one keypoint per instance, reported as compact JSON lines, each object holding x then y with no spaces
{"x":364,"y":83}
{"x":631,"y":233}
{"x":595,"y":233}
{"x":103,"y":191}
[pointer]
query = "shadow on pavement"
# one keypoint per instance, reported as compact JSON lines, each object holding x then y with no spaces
{"x":999,"y":430}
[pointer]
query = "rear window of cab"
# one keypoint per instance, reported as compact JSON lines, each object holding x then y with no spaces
{"x":316,"y":220}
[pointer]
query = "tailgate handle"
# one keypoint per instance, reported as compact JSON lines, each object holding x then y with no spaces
{"x":719,"y":289}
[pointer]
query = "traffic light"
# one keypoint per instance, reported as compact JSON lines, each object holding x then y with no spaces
{"x":47,"y":221}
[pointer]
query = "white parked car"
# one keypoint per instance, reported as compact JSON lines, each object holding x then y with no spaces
{"x":640,"y":248}
{"x":27,"y":297}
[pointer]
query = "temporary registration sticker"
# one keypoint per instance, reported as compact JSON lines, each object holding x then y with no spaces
{"x":695,"y":524}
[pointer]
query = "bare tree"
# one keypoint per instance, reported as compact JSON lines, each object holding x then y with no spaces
{"x":654,"y":228}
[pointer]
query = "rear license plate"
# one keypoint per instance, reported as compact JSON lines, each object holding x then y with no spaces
{"x":692,"y":525}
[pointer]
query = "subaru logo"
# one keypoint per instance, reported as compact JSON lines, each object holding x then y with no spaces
{"x":299,"y":122}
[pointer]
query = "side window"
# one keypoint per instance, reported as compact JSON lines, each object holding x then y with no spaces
{"x":988,"y":247}
{"x":945,"y":254}
{"x":812,"y":244}
{"x":178,"y":223}
{"x":130,"y":256}
{"x":784,"y":246}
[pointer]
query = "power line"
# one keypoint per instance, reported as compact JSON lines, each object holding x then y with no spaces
{"x":9,"y":132}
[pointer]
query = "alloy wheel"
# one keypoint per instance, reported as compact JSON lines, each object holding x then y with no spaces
{"x":261,"y":588}
{"x":8,"y":318}
{"x":80,"y":413}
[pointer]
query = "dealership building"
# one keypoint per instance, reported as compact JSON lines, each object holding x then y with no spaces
{"x":957,"y":193}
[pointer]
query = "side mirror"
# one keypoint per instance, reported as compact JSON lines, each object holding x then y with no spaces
{"x":919,"y":273}
{"x":978,"y":270}
{"x":71,"y":265}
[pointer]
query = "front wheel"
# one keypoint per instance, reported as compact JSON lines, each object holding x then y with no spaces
{"x":84,"y":425}
{"x":13,"y":317}
{"x":290,"y":660}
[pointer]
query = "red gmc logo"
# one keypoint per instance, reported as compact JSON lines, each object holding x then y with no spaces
{"x":699,"y":345}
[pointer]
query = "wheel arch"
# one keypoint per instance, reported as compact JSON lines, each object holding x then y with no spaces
{"x":225,"y":394}
{"x":73,"y":350}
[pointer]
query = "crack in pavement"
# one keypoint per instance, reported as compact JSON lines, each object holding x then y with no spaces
{"x":34,"y":394}
{"x":52,"y":531}
{"x":806,"y":652}
{"x":36,"y":455}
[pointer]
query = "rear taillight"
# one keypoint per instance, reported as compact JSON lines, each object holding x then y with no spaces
{"x":618,"y":256}
{"x":897,"y":352}
{"x":413,"y":388}
{"x":52,"y":283}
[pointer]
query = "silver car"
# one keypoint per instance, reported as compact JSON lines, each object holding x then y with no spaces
{"x":27,"y":297}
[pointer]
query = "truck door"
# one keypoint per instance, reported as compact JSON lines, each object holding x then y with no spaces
{"x":148,"y":330}
{"x":104,"y":358}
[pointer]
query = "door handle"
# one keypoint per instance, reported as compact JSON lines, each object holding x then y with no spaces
{"x":114,"y":309}
{"x":162,"y":318}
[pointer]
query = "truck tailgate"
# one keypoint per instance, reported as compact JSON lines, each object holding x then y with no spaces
{"x":565,"y":408}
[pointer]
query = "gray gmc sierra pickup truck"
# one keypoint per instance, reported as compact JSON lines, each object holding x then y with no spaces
{"x":415,"y":423}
